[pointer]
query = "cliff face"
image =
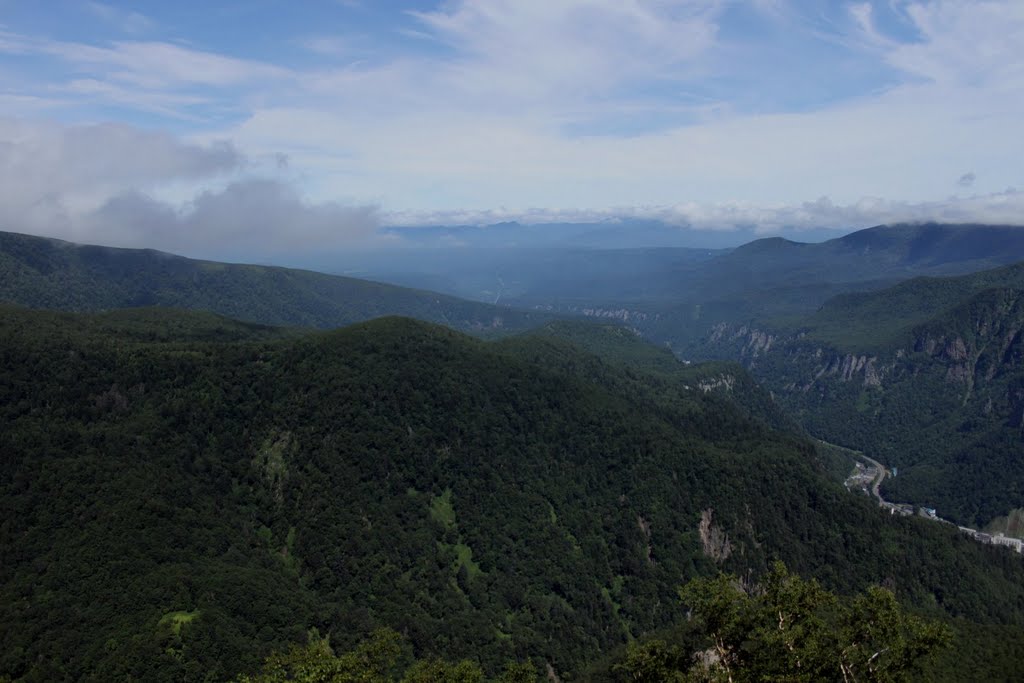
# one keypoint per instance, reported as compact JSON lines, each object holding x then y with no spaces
{"x":981,"y":341}
{"x":972,"y":344}
{"x":944,"y":401}
{"x":752,"y":342}
{"x":756,"y":347}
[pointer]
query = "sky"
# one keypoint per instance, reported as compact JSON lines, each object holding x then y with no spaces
{"x":262,"y":125}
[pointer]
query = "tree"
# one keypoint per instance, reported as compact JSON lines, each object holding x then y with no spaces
{"x":789,"y":629}
{"x":438,"y":671}
{"x":376,"y":660}
{"x":371,"y":662}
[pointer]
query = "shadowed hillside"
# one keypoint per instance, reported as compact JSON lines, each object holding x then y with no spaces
{"x":178,"y":503}
{"x":45,"y":273}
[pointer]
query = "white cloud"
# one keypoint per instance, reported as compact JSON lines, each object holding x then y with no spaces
{"x":101,"y":184}
{"x":602,"y":103}
{"x":124,"y":20}
{"x":485,"y":125}
{"x":149,"y":64}
{"x":536,"y":49}
{"x":968,"y":44}
{"x":999,"y":208}
{"x":254,"y":218}
{"x":169,"y":104}
{"x":49,"y":159}
{"x":328,"y":46}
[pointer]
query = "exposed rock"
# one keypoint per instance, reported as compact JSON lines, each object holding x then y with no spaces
{"x":956,"y":350}
{"x":271,"y":461}
{"x":726,"y":382}
{"x":623,"y":314}
{"x":645,"y":527}
{"x":753,"y":342}
{"x":713,"y":540}
{"x":959,"y":373}
{"x":872,"y":375}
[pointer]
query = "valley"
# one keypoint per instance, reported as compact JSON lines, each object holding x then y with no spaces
{"x":511,"y":341}
{"x":537,"y":491}
{"x":868,"y":476}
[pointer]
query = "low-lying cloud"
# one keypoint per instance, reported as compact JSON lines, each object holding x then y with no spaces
{"x":1005,"y":207}
{"x":40,"y":159}
{"x":103,"y":183}
{"x":254,"y":218}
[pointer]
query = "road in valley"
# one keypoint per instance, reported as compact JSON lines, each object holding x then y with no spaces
{"x":869,"y":479}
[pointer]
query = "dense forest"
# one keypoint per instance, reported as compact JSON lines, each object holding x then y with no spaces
{"x":46,"y":273}
{"x":925,"y":376}
{"x":185,"y":495}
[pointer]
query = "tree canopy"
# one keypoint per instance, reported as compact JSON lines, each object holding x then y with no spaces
{"x":785,"y":628}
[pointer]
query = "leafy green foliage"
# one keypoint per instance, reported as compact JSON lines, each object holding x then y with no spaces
{"x":789,"y":629}
{"x":939,"y":400}
{"x":372,"y":661}
{"x":379,"y":659}
{"x":491,"y":502}
{"x":871,"y":322}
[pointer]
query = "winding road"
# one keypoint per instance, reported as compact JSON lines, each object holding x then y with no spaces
{"x":879,"y":478}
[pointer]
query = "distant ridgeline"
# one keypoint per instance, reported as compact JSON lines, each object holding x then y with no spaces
{"x":46,"y":273}
{"x":775,"y":279}
{"x":182,"y":495}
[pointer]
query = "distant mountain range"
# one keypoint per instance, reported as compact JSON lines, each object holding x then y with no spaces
{"x":687,"y":289}
{"x":182,"y":493}
{"x":617,"y":233}
{"x":47,"y":273}
{"x":774,"y":280}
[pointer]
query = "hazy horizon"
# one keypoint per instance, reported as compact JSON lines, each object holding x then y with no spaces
{"x":264,"y":129}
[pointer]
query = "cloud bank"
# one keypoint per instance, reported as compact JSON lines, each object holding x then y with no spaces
{"x":256,"y":218}
{"x":1001,"y":208}
{"x":700,"y":113}
{"x":95,"y":184}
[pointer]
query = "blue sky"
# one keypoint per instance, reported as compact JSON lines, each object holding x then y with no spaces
{"x":194,"y":125}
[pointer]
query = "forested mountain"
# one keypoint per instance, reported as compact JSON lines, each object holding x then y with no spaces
{"x":183,"y":494}
{"x":46,"y":273}
{"x":529,"y":276}
{"x":674,"y":295}
{"x":925,"y":376}
{"x":772,"y":280}
{"x":678,"y":294}
{"x":881,"y":253}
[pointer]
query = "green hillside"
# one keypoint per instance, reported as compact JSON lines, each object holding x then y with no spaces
{"x":180,"y":499}
{"x":44,"y":273}
{"x":877,"y":320}
{"x":775,"y":283}
{"x":924,"y":376}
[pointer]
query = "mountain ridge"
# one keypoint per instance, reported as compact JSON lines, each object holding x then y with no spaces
{"x":46,"y":273}
{"x":498,"y":501}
